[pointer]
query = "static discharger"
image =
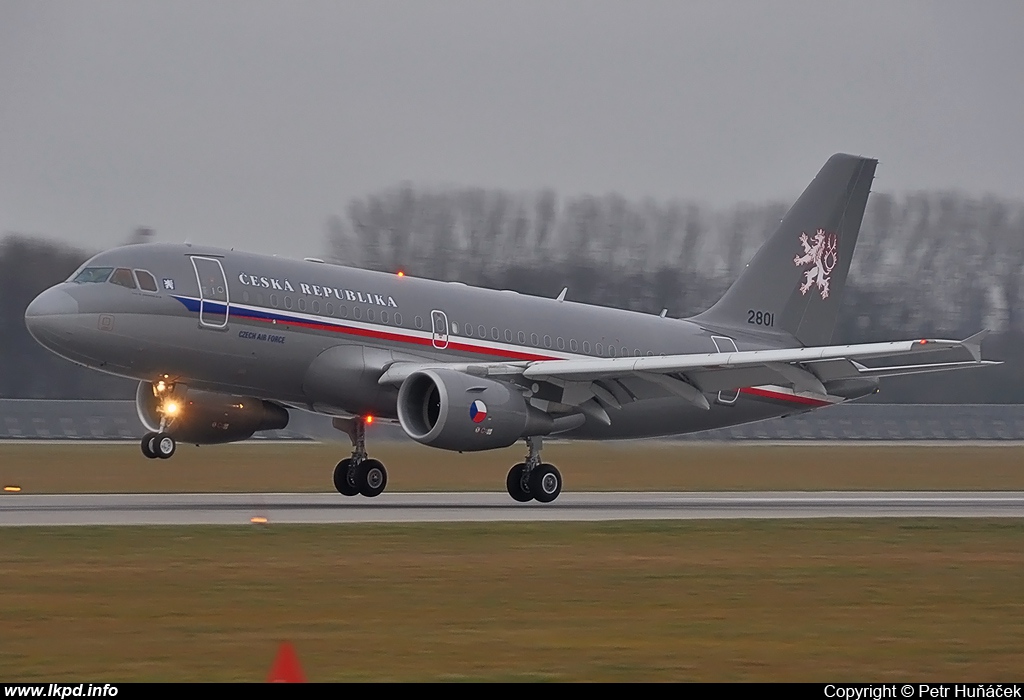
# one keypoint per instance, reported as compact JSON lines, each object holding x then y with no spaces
{"x":12,"y":489}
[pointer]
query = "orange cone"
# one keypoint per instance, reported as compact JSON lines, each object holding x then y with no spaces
{"x":286,"y":667}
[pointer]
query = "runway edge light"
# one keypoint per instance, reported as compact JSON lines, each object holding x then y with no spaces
{"x":286,"y":667}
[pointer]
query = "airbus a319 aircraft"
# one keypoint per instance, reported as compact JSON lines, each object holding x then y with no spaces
{"x":226,"y":343}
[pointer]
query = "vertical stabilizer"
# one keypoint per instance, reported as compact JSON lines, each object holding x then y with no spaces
{"x":795,"y":281}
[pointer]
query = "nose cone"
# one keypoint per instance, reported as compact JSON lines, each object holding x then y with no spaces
{"x":52,"y":302}
{"x":49,"y":314}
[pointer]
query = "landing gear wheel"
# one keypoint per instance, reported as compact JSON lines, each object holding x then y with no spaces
{"x":514,"y":484}
{"x":545,"y":483}
{"x":341,"y":481}
{"x":147,"y":445}
{"x":163,"y":445}
{"x":371,"y":477}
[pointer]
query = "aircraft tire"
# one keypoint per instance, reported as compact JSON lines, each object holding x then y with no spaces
{"x":371,"y":477}
{"x":164,"y":445}
{"x":545,"y":483}
{"x":147,"y":445}
{"x":341,"y":482}
{"x":514,"y":484}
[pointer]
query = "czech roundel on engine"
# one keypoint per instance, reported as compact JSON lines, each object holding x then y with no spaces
{"x":478,"y":411}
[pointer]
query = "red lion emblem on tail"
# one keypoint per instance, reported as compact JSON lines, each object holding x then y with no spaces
{"x":822,"y":252}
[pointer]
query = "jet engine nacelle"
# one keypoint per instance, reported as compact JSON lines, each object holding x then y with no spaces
{"x":457,"y":411}
{"x":206,"y":417}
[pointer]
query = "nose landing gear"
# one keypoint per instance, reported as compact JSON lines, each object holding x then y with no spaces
{"x":158,"y":445}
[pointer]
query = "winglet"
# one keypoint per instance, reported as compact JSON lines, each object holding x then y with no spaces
{"x":973,"y":344}
{"x":561,"y":294}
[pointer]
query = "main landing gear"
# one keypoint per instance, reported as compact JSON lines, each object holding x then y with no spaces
{"x":158,"y":445}
{"x":532,"y":479}
{"x":358,"y":473}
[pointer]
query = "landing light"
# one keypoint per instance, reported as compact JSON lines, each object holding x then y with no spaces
{"x":12,"y":489}
{"x":258,"y":520}
{"x":401,"y":274}
{"x":171,"y":408}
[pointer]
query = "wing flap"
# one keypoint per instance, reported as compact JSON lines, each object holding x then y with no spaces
{"x":901,"y":370}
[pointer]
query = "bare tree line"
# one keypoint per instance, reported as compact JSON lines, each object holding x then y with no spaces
{"x":934,"y":261}
{"x":929,"y":263}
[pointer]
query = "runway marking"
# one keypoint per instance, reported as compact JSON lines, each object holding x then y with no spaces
{"x":278,"y":508}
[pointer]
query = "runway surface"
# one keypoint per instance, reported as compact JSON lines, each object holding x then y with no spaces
{"x":230,"y":509}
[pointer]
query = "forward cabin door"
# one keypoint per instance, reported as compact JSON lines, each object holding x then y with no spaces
{"x":213,"y":292}
{"x":439,"y":324}
{"x":723,"y":344}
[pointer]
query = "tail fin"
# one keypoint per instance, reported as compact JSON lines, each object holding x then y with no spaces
{"x":795,"y":281}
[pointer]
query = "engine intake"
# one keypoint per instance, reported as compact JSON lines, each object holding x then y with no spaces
{"x":206,"y":417}
{"x":455,"y":411}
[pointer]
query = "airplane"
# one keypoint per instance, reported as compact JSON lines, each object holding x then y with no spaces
{"x":225,"y":344}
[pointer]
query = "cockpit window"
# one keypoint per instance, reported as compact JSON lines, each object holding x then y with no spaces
{"x":93,"y":274}
{"x":123,"y":277}
{"x":146,"y":281}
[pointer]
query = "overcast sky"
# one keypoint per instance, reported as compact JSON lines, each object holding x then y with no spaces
{"x":247,"y":123}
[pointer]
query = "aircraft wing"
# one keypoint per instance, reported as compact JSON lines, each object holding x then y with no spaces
{"x":691,"y":375}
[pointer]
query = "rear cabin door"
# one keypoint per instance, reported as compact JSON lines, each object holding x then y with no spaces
{"x":213,"y":292}
{"x":439,"y":323}
{"x":723,"y":344}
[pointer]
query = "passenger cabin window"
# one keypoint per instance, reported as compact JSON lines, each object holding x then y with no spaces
{"x":123,"y":276}
{"x":93,"y":274}
{"x":147,"y":282}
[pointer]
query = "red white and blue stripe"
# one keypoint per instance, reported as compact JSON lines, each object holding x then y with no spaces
{"x":455,"y":344}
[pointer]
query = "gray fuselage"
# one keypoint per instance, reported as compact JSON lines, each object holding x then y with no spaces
{"x":317,"y":336}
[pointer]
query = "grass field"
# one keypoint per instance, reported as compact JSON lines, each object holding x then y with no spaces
{"x":771,"y":600}
{"x":96,"y":468}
